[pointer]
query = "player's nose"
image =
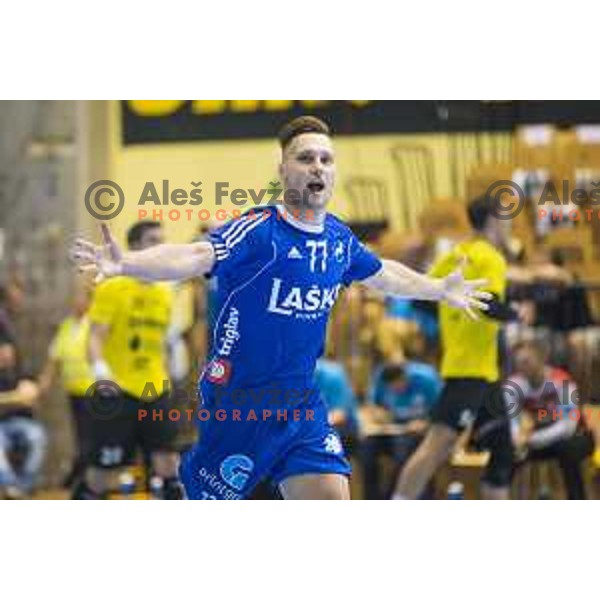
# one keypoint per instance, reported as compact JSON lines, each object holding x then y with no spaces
{"x":316,"y":169}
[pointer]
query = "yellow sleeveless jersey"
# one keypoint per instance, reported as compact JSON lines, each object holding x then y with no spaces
{"x":70,"y":348}
{"x":470,"y":348}
{"x":138,"y":314}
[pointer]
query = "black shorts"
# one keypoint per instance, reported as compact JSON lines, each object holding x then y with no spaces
{"x":82,"y":422}
{"x":115,"y":430}
{"x":462,"y":400}
{"x":479,"y":403}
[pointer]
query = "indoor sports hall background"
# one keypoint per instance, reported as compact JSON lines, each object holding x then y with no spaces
{"x":405,"y":171}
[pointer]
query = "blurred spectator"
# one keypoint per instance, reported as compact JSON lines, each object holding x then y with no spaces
{"x":11,"y":302}
{"x":354,"y":334}
{"x":419,"y":252}
{"x":68,"y":358}
{"x":560,"y":301}
{"x":336,"y":390}
{"x":22,"y":438}
{"x":561,"y":304}
{"x":551,"y":425}
{"x":558,"y":313}
{"x":421,"y":322}
{"x":402,"y":392}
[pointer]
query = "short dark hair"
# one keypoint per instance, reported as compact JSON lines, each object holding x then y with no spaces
{"x":136,"y":232}
{"x":300,"y":125}
{"x":479,"y":210}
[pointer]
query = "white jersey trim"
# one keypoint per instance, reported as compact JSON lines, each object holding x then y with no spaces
{"x":235,"y":234}
{"x":294,"y":222}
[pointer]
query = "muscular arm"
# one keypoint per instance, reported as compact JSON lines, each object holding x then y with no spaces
{"x":172,"y":262}
{"x":397,"y":279}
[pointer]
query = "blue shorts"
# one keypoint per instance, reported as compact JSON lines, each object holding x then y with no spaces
{"x":242,"y":444}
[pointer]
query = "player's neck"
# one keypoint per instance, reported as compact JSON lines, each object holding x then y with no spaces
{"x":306,"y":219}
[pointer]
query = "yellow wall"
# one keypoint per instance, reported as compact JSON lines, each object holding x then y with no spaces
{"x":253,"y":163}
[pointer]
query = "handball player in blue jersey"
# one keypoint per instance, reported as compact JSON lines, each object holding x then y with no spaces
{"x":279,"y":271}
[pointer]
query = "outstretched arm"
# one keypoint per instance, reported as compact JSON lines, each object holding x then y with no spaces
{"x":397,"y":279}
{"x":164,"y":262}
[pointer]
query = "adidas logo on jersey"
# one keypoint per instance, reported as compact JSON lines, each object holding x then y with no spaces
{"x":294,"y":253}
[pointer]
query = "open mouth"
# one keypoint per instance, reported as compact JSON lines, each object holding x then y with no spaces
{"x":316,"y":187}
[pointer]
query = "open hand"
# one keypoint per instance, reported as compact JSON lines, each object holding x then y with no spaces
{"x":103,"y":260}
{"x":465,"y":293}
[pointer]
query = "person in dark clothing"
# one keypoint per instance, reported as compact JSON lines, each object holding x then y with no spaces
{"x":551,"y":424}
{"x":20,"y":433}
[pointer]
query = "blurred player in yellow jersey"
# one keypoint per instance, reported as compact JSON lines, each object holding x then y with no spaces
{"x":68,"y":357}
{"x":129,"y":321}
{"x":470,"y":365}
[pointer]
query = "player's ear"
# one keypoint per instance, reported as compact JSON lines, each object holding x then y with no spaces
{"x":281,"y":170}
